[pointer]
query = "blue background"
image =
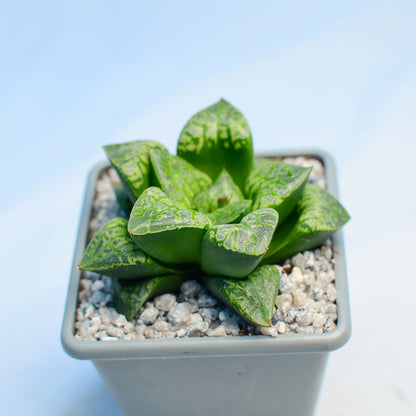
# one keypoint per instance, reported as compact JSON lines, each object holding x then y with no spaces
{"x":75,"y":75}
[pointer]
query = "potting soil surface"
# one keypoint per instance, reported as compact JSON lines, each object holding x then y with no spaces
{"x":306,"y":302}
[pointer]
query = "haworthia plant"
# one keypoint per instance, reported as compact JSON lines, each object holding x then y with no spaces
{"x":216,"y":138}
{"x":166,"y":231}
{"x":210,"y":213}
{"x":235,"y":250}
{"x":130,"y":296}
{"x":179,"y":179}
{"x":131,"y":161}
{"x":276,"y":185}
{"x":113,"y":252}
{"x":252,"y":298}
{"x":223,"y":192}
{"x":317,"y":216}
{"x":231,"y":213}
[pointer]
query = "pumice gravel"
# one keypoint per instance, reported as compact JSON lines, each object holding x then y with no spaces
{"x":306,"y":302}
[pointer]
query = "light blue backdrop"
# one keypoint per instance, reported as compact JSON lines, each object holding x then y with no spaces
{"x":74,"y":75}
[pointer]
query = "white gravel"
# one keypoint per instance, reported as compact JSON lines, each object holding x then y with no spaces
{"x":306,"y":302}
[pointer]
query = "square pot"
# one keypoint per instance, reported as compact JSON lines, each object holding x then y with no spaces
{"x":241,"y":375}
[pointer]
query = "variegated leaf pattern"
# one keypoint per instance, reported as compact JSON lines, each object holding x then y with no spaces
{"x":276,"y":185}
{"x":316,"y":217}
{"x":166,"y":231}
{"x":216,"y":138}
{"x":252,"y":298}
{"x":224,"y":191}
{"x":178,"y":178}
{"x":129,"y":296}
{"x":235,"y":250}
{"x":131,"y":161}
{"x":112,"y":252}
{"x":231,"y":213}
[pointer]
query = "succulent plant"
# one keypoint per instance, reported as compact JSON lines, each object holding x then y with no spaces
{"x":212,"y":212}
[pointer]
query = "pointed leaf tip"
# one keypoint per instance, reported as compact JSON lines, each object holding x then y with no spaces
{"x":252,"y":298}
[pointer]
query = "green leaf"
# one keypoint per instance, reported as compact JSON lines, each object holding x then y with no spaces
{"x":178,"y":178}
{"x":130,"y":295}
{"x":113,"y":253}
{"x":235,"y":250}
{"x":316,"y":217}
{"x":217,"y":138}
{"x":223,"y":192}
{"x":276,"y":185}
{"x":131,"y":161}
{"x":122,"y":197}
{"x":252,"y":298}
{"x":231,"y":213}
{"x":165,"y":231}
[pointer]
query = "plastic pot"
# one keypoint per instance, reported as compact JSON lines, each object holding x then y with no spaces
{"x":205,"y":376}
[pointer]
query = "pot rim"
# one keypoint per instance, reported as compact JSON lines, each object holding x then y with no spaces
{"x":209,"y":346}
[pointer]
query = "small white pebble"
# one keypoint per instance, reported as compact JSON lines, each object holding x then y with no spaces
{"x":83,"y":332}
{"x":331,"y":308}
{"x":285,"y":308}
{"x":85,"y":284}
{"x":180,"y":333}
{"x":179,"y":314}
{"x":89,"y":311}
{"x":331,"y":293}
{"x":319,"y":320}
{"x":281,"y":327}
{"x":323,"y":278}
{"x":205,"y":300}
{"x":119,"y":320}
{"x":100,"y":335}
{"x":321,"y":306}
{"x":271,"y":331}
{"x":303,"y":317}
{"x":139,"y":329}
{"x":161,"y":326}
{"x":98,"y":298}
{"x":305,"y":330}
{"x":197,"y":329}
{"x":149,"y":315}
{"x":223,"y":315}
{"x":299,"y":261}
{"x":191,"y":288}
{"x":128,"y":328}
{"x":231,"y":326}
{"x":114,"y":331}
{"x":287,"y":297}
{"x":309,"y":259}
{"x":192,"y":307}
{"x":318,"y":293}
{"x":297,"y":276}
{"x":152,"y":333}
{"x":80,"y":315}
{"x":299,"y":298}
{"x":329,"y":326}
{"x":219,"y":331}
{"x":327,"y":252}
{"x":165,"y":302}
{"x":194,"y":318}
{"x":97,"y":285}
{"x":209,"y":314}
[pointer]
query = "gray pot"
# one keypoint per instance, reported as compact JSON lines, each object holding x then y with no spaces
{"x":205,"y":376}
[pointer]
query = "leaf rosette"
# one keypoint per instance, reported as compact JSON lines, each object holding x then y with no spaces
{"x":211,"y":212}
